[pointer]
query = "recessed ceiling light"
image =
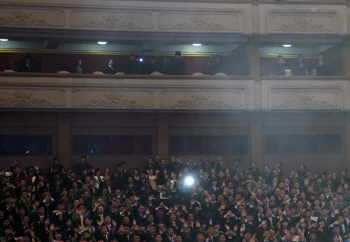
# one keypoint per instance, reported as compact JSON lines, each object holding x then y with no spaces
{"x":197,"y":44}
{"x":287,"y":45}
{"x":102,"y":42}
{"x":4,"y":40}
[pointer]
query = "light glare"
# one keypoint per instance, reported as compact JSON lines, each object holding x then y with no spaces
{"x":4,"y":40}
{"x":197,"y":44}
{"x":189,"y":181}
{"x":287,"y":45}
{"x":102,"y":42}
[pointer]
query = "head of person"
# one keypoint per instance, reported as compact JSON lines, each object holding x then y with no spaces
{"x":300,"y":58}
{"x":177,"y":54}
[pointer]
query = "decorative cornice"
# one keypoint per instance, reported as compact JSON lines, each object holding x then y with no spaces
{"x":23,"y":19}
{"x":113,"y":101}
{"x":199,"y":23}
{"x":111,"y":22}
{"x":304,"y":102}
{"x":201,"y":101}
{"x":23,"y":99}
{"x":303,"y":25}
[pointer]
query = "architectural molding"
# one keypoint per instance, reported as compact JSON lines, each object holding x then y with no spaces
{"x":113,"y":101}
{"x":304,"y":102}
{"x":201,"y":102}
{"x":24,"y":99}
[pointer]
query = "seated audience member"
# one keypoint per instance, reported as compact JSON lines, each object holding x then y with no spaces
{"x":215,"y":64}
{"x":110,"y":69}
{"x":78,"y":67}
{"x":179,"y":64}
{"x":27,"y":67}
{"x":299,"y":67}
{"x":322,"y":68}
{"x":231,"y":204}
{"x":280,"y":67}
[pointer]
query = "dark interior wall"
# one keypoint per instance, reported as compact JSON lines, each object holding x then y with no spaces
{"x":333,"y":58}
{"x":53,"y":62}
{"x":240,"y":61}
{"x":180,"y":124}
{"x":333,"y":161}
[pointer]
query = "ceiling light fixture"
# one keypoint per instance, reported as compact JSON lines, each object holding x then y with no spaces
{"x":197,"y":44}
{"x":102,"y":42}
{"x":287,"y":45}
{"x":4,"y":40}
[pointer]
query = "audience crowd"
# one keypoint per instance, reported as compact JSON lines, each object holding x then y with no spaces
{"x":154,"y":203}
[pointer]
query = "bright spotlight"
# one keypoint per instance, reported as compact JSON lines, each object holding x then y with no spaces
{"x":197,"y":44}
{"x":287,"y":45}
{"x":189,"y":181}
{"x":4,"y":40}
{"x":102,"y":42}
{"x":141,"y":59}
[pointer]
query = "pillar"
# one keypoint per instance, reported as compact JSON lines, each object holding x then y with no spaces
{"x":254,"y":57}
{"x":63,"y":139}
{"x":162,"y":136}
{"x":256,"y":139}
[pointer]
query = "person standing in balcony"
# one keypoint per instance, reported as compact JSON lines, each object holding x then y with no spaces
{"x":168,"y":66}
{"x":151,"y":66}
{"x":131,"y":65}
{"x":299,"y":67}
{"x":280,"y":67}
{"x":27,"y":67}
{"x":78,"y":67}
{"x":322,"y":68}
{"x":110,"y":69}
{"x":215,"y":65}
{"x":179,"y":64}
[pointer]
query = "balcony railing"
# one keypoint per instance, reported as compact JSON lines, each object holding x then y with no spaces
{"x":172,"y":93}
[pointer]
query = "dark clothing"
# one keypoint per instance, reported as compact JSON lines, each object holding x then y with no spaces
{"x":80,"y":167}
{"x":151,"y":67}
{"x":26,"y":68}
{"x":131,"y":67}
{"x":322,"y":70}
{"x":280,"y":69}
{"x":169,"y":68}
{"x":216,"y":67}
{"x":110,"y":70}
{"x":78,"y":70}
{"x":299,"y":70}
{"x":179,"y":66}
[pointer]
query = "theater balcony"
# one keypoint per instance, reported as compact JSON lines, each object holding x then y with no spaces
{"x":247,"y":34}
{"x":74,"y":92}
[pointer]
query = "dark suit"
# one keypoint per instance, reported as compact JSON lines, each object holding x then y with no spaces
{"x":299,"y":70}
{"x":179,"y":66}
{"x":103,"y":238}
{"x":280,"y":69}
{"x":274,"y":222}
{"x":26,"y":68}
{"x":322,"y":70}
{"x":110,"y":70}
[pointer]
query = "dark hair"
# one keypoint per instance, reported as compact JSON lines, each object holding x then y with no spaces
{"x":279,"y":57}
{"x":178,"y":53}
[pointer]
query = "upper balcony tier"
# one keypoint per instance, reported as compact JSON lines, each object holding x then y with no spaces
{"x":209,"y":21}
{"x":88,"y":92}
